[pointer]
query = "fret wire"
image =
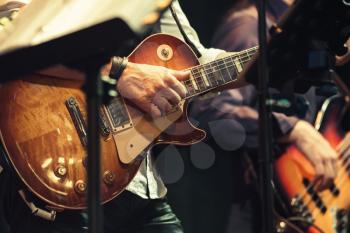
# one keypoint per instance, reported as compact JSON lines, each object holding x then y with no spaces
{"x":228,"y":66}
{"x":248,"y":54}
{"x":215,"y":67}
{"x":196,"y":70}
{"x":198,"y":75}
{"x":184,"y":83}
{"x":207,"y":81}
{"x":200,"y":82}
{"x":208,"y":74}
{"x":197,"y":84}
{"x":212,"y":72}
{"x":235,"y":67}
{"x":241,"y":62}
{"x":208,"y":90}
{"x":223,"y":69}
{"x":229,"y":73}
{"x":189,"y":86}
{"x":218,"y":69}
{"x":252,"y":50}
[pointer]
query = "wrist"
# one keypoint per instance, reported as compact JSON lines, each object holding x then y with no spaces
{"x":294,"y":134}
{"x":119,"y":64}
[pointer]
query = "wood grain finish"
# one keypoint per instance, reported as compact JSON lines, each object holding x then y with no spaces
{"x":44,"y":147}
{"x":39,"y":137}
{"x":181,"y":132}
{"x":292,"y":167}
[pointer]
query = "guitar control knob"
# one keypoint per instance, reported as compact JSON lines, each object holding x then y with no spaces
{"x":165,"y":52}
{"x":109,"y":177}
{"x":61,"y":171}
{"x":80,"y":187}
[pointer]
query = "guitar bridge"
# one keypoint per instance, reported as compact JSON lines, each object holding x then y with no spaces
{"x":300,"y":209}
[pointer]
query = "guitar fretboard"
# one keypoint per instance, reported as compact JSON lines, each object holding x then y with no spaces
{"x":206,"y":77}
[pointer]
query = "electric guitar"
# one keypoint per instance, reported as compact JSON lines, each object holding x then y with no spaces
{"x":326,"y":211}
{"x":43,"y":124}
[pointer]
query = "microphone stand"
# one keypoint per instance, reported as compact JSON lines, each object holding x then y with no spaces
{"x":265,"y":128}
{"x":94,"y":94}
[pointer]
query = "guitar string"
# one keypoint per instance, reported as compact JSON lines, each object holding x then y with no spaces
{"x":246,"y":55}
{"x":239,"y":54}
{"x":346,"y":141}
{"x":329,"y":199}
{"x":231,"y":59}
{"x":196,"y":75}
{"x":199,"y":77}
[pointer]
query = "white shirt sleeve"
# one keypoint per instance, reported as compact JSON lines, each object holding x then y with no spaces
{"x":168,"y":25}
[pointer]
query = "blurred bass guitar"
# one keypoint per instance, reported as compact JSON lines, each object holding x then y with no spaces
{"x":326,"y":211}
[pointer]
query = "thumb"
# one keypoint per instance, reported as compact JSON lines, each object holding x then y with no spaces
{"x":181,"y":75}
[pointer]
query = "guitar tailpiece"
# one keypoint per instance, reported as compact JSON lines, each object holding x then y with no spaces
{"x":50,"y":216}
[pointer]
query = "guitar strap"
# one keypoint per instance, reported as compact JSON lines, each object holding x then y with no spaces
{"x":183,"y":33}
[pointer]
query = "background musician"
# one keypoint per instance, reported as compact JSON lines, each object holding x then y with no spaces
{"x":235,"y":118}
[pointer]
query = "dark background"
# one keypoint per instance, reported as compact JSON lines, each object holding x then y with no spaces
{"x":202,"y":197}
{"x":204,"y":15}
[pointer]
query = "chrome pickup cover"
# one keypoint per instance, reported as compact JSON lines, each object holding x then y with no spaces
{"x":118,"y":115}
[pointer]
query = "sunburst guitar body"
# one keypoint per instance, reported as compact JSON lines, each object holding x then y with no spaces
{"x":326,"y":211}
{"x":43,"y":124}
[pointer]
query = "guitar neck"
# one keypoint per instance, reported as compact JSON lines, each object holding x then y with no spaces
{"x":220,"y":72}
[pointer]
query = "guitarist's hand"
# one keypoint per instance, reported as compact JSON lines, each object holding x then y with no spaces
{"x":154,"y":89}
{"x":342,"y":60}
{"x":317,"y":150}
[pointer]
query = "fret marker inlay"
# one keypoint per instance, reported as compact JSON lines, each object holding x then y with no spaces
{"x":205,"y":78}
{"x":238,"y":65}
{"x":194,"y":84}
{"x":209,"y":76}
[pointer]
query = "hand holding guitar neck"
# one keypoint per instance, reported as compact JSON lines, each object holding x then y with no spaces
{"x":154,"y":89}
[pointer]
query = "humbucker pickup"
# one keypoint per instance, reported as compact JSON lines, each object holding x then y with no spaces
{"x":118,"y":114}
{"x":80,"y":122}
